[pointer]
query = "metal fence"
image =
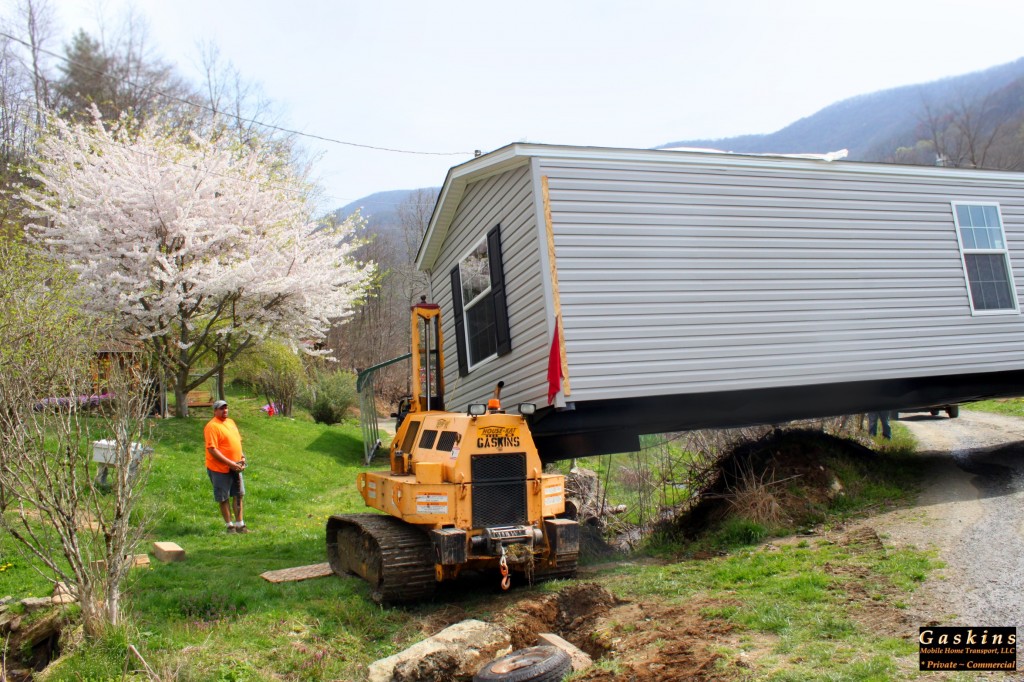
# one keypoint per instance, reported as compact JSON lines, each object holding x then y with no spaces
{"x":368,"y":407}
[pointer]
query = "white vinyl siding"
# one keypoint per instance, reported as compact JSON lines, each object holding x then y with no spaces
{"x":505,"y":199}
{"x":719,"y":274}
{"x":986,"y":259}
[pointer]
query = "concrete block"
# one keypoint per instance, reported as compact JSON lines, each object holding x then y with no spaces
{"x":168,"y":552}
{"x":580,"y":659}
{"x":140,"y":561}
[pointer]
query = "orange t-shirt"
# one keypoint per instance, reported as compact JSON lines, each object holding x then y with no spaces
{"x":223,"y":435}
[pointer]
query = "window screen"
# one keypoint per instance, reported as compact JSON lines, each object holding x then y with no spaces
{"x":985,"y":257}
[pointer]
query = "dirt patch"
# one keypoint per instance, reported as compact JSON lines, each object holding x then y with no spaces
{"x":570,"y":613}
{"x":783,"y":478}
{"x":660,"y":641}
{"x":648,"y":640}
{"x":870,"y":598}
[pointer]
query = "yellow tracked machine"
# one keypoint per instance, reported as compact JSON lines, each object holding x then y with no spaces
{"x":465,"y":491}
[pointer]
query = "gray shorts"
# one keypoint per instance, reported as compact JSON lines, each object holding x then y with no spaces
{"x":226,"y":485}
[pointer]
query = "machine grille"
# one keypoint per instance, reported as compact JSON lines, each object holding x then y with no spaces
{"x":427,"y":439}
{"x":499,"y":490}
{"x":410,"y":437}
{"x":447,"y":440}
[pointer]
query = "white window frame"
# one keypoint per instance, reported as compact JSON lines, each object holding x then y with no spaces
{"x":1004,"y":252}
{"x":466,"y":305}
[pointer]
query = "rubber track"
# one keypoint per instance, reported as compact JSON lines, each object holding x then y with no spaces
{"x":405,"y":553}
{"x":566,"y":568}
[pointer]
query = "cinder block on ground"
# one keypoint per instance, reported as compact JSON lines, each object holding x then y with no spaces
{"x":168,"y":552}
{"x":580,"y":659}
{"x":141,"y":561}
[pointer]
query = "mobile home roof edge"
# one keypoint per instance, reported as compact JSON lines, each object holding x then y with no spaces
{"x":518,"y":154}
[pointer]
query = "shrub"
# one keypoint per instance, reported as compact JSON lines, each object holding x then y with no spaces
{"x":330,"y":395}
{"x":275,"y":370}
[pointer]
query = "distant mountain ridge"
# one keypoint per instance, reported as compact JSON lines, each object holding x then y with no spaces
{"x":380,"y":209}
{"x":868,"y":124}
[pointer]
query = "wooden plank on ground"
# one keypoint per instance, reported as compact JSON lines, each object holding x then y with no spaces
{"x":290,"y":575}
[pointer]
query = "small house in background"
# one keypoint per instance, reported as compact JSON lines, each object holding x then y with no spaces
{"x":630,"y":291}
{"x":119,"y":355}
{"x":110,"y":356}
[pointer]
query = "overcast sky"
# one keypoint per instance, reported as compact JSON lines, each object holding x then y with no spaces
{"x":457,"y":76}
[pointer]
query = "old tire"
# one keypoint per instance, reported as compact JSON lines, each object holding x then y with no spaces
{"x":535,"y":664}
{"x":953,"y":411}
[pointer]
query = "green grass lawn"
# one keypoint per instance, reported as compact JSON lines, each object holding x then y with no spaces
{"x":211,"y":617}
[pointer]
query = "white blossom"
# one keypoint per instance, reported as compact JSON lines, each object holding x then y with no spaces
{"x":184,"y":238}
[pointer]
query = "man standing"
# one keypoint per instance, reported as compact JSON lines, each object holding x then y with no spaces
{"x":224,"y":463}
{"x":876,"y":418}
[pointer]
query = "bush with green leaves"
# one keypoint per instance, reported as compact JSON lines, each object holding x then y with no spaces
{"x":330,"y":395}
{"x":275,"y":371}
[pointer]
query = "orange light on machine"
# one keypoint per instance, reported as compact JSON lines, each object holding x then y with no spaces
{"x":494,"y":404}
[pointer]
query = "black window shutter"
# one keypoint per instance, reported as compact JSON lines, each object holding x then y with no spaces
{"x":460,"y":322}
{"x":498,"y":291}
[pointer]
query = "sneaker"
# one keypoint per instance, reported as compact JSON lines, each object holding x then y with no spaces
{"x":232,"y":529}
{"x":241,"y":529}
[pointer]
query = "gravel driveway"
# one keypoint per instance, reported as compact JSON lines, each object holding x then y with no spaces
{"x":972,"y":511}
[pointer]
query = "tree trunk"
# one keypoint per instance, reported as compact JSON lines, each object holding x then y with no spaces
{"x":94,"y":621}
{"x":113,"y":603}
{"x":180,"y":396}
{"x":181,"y":375}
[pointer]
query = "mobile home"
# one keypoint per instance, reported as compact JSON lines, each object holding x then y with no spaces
{"x":629,"y":291}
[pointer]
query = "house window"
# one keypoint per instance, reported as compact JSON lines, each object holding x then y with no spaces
{"x":478,"y":296}
{"x":985,"y":257}
{"x":478,"y":308}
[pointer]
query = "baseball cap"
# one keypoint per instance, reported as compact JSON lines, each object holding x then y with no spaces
{"x":219,"y":404}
